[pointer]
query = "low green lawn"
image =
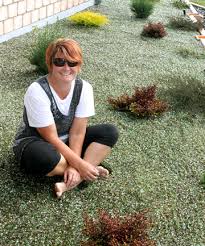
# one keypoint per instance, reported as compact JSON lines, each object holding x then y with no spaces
{"x":157,"y":163}
{"x":200,"y":2}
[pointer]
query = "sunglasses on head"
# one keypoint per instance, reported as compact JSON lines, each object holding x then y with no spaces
{"x":60,"y":62}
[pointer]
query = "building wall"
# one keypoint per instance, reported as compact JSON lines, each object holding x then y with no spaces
{"x":19,"y":16}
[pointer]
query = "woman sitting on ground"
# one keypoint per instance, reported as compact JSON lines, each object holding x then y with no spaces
{"x":54,"y":137}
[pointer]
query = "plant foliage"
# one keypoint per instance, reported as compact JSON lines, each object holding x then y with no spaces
{"x":142,"y":103}
{"x":89,"y":18}
{"x":154,"y":30}
{"x":130,"y":230}
{"x":142,"y":8}
{"x":43,"y":38}
{"x":190,"y":52}
{"x":183,"y":23}
{"x":200,"y":2}
{"x":179,"y":4}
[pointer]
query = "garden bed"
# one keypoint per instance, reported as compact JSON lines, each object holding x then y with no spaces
{"x":157,"y":163}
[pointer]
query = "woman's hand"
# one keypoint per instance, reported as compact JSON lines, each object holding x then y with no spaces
{"x":71,"y":177}
{"x":88,"y":171}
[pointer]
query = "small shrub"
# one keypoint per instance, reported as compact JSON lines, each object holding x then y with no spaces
{"x":179,"y":4}
{"x":142,"y":103}
{"x":121,"y":103}
{"x":183,"y":23}
{"x":43,"y":38}
{"x":115,"y":231}
{"x":89,"y":18}
{"x":188,"y":52}
{"x":142,"y":8}
{"x":154,"y":30}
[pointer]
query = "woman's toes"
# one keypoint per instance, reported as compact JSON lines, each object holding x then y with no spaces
{"x":103,"y":172}
{"x":58,"y":190}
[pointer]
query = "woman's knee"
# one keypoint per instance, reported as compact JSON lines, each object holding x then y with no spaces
{"x":39,"y":158}
{"x":111,"y":133}
{"x":59,"y":168}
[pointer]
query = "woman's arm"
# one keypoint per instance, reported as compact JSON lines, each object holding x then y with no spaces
{"x":86,"y":170}
{"x":77,"y":134}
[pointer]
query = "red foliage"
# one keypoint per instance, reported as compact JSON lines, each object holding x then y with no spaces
{"x":121,"y":103}
{"x":142,"y":103}
{"x":117,"y":231}
{"x":154,"y":30}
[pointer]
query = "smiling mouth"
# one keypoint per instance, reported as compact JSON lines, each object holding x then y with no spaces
{"x":66,"y":74}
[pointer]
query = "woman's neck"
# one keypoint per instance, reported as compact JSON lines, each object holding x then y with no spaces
{"x":61,"y":88}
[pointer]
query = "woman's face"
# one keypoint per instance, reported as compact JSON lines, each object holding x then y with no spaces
{"x":64,"y":70}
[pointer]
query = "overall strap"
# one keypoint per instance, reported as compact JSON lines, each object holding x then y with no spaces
{"x":76,"y":94}
{"x":75,"y":98}
{"x":44,"y":84}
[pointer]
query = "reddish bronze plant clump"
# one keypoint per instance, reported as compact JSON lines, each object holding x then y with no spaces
{"x":121,"y":103}
{"x":154,"y":30}
{"x":116,"y":231}
{"x":143,"y":102}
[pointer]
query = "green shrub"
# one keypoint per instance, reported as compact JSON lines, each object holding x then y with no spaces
{"x":143,"y":103}
{"x":154,"y":30}
{"x":142,"y":8}
{"x":43,"y":38}
{"x":89,"y":18}
{"x":188,"y":52}
{"x":114,"y":230}
{"x":179,"y":4}
{"x":182,"y":23}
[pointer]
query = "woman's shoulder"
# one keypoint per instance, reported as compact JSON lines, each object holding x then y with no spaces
{"x":35,"y":89}
{"x":86,"y":84}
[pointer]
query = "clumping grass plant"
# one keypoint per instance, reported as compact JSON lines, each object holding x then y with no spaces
{"x":142,"y":8}
{"x":38,"y":48}
{"x":179,"y":4}
{"x":190,"y":53}
{"x":89,"y":19}
{"x":114,"y":230}
{"x":154,"y":30}
{"x":142,"y":103}
{"x":182,"y":23}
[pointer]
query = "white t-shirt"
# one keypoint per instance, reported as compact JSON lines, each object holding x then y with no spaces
{"x":38,"y":104}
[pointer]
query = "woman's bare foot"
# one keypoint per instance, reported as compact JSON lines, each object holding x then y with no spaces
{"x":61,"y":187}
{"x":103,"y":172}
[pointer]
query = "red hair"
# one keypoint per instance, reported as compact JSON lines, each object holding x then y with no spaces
{"x":68,"y":47}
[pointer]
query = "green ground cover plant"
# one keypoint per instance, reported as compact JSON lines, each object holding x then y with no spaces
{"x":157,"y":163}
